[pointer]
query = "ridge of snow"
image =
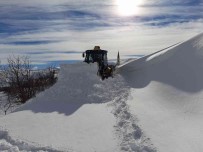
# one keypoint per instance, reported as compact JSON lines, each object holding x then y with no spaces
{"x":166,"y":96}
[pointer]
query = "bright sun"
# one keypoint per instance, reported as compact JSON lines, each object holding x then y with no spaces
{"x":128,"y":7}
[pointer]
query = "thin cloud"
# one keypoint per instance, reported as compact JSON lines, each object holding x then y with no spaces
{"x":62,"y":29}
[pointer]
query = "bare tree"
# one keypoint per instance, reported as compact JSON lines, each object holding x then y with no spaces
{"x":14,"y":78}
{"x":7,"y":102}
{"x":18,"y":76}
{"x":20,"y":83}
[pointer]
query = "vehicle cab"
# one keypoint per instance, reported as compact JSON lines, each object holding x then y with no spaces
{"x":95,"y":55}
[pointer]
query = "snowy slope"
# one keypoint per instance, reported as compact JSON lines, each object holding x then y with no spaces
{"x":167,"y":96}
{"x":79,"y":113}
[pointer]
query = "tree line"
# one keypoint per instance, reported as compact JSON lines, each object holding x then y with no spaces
{"x":19,"y":82}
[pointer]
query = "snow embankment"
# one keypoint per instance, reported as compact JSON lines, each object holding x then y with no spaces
{"x":69,"y":116}
{"x":166,"y":96}
{"x":80,"y":113}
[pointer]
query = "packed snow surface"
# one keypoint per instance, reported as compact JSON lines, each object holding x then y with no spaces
{"x":152,"y":104}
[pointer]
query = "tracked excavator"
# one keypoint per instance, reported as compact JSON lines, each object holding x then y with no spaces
{"x":100,"y":57}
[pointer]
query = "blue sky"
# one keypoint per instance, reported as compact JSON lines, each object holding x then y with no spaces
{"x":59,"y":30}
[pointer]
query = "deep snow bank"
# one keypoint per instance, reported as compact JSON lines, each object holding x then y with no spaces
{"x":180,"y":67}
{"x":69,"y":116}
{"x":79,"y":113}
{"x":166,"y":96}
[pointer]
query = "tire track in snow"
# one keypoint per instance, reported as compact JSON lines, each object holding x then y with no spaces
{"x":131,"y":135}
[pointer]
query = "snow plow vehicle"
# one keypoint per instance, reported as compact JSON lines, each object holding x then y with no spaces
{"x":100,"y":57}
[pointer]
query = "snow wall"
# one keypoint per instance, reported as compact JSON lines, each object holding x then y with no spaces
{"x":167,"y":95}
{"x":180,"y":67}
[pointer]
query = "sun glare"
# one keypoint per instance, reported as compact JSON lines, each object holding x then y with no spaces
{"x":128,"y":7}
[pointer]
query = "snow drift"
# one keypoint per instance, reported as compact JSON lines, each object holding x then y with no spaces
{"x":155,"y":100}
{"x":166,"y":96}
{"x":79,"y":113}
{"x":180,"y":67}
